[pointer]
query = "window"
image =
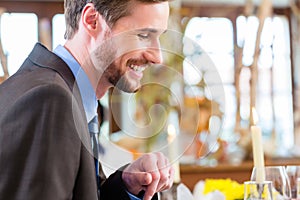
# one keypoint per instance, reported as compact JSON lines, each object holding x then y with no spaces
{"x":274,"y":89}
{"x":212,"y":40}
{"x":19,"y":33}
{"x":214,"y":36}
{"x":58,"y":30}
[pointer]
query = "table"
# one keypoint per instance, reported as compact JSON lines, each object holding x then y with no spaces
{"x":191,"y":174}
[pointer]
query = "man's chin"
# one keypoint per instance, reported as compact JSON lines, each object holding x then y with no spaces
{"x":136,"y":90}
{"x":133,"y":90}
{"x":128,"y":88}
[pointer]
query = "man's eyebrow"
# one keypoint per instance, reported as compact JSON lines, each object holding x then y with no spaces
{"x":151,"y":30}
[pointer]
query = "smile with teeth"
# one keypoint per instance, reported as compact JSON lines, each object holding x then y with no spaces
{"x":137,"y":68}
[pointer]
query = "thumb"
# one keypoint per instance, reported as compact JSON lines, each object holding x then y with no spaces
{"x":135,"y":182}
{"x":144,"y":178}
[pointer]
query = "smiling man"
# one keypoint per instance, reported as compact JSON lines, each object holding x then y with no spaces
{"x":46,"y":150}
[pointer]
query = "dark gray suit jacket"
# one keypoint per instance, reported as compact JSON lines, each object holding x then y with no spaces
{"x":44,"y":139}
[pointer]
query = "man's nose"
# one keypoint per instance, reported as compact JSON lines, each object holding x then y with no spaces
{"x":154,"y":53}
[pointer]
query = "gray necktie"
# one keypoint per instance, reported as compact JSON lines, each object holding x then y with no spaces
{"x":94,"y":133}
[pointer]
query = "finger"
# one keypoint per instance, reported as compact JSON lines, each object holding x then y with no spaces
{"x":152,"y":169}
{"x":164,"y":170}
{"x":171,"y":178}
{"x":152,"y":187}
{"x":169,"y":182}
{"x":162,"y":174}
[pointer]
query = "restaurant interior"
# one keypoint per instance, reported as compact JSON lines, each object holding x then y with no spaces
{"x":225,"y":99}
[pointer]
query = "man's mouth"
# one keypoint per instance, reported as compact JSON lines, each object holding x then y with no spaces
{"x":137,"y":68}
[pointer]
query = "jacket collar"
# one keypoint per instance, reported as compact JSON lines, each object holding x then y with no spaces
{"x":42,"y":57}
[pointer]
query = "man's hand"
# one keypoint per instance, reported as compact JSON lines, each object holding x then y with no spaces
{"x":151,"y":172}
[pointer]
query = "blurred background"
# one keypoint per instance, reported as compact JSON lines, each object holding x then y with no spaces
{"x":221,"y":59}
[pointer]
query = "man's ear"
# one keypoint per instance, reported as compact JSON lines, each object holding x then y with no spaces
{"x":92,"y":21}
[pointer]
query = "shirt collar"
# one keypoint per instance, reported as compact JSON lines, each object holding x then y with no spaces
{"x":87,"y":92}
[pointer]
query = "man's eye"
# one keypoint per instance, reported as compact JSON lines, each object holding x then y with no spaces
{"x":143,"y":35}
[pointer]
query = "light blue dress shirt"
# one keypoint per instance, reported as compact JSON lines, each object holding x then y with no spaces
{"x":87,"y":92}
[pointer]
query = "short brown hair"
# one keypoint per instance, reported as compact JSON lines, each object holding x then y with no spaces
{"x":111,"y":10}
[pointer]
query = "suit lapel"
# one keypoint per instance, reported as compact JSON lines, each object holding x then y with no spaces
{"x":42,"y":57}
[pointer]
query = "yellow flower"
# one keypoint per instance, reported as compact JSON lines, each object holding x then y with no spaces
{"x":231,"y":189}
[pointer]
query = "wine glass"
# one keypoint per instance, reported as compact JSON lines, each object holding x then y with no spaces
{"x":258,"y":191}
{"x":280,"y":182}
{"x":293,"y":173}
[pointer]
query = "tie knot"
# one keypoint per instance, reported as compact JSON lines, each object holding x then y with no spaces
{"x":94,"y":126}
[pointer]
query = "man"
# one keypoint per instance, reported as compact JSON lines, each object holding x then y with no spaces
{"x":45,"y":108}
